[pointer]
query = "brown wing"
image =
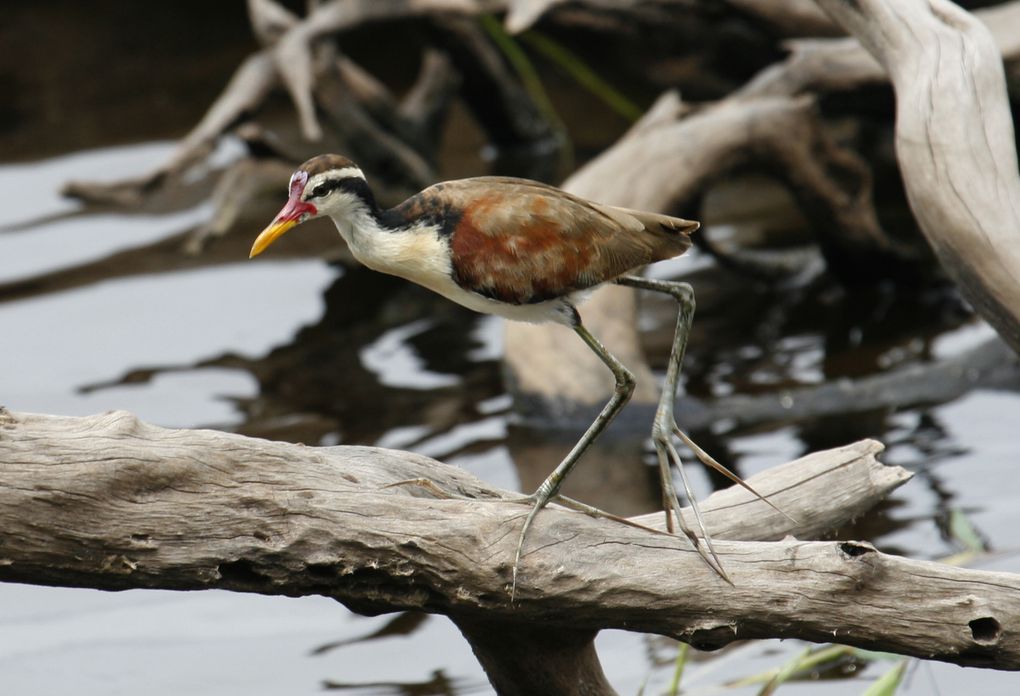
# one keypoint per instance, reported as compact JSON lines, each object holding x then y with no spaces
{"x":521,"y":242}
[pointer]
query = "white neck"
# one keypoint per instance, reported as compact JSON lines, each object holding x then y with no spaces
{"x":358,"y":228}
{"x":416,"y":253}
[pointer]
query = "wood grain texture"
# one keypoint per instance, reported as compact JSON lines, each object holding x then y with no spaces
{"x":110,"y":502}
{"x":954,"y":142}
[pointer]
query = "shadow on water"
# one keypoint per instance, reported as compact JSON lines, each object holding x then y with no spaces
{"x":298,"y":349}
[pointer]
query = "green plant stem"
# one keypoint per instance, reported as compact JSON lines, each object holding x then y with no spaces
{"x":584,"y":75}
{"x":678,"y":672}
{"x":525,"y":69}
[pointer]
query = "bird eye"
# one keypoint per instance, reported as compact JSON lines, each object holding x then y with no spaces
{"x":320,"y":190}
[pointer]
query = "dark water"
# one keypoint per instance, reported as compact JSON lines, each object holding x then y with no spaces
{"x":102,"y":310}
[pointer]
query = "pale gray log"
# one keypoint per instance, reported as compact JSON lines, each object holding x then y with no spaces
{"x":110,"y":502}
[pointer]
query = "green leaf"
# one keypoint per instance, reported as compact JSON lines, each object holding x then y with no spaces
{"x":875,"y":655}
{"x":525,"y":70}
{"x":964,"y":533}
{"x":785,"y":672}
{"x":584,"y":75}
{"x":678,"y":671}
{"x":887,"y":684}
{"x":809,"y":659}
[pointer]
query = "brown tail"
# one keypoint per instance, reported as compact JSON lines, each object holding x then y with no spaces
{"x":664,"y":223}
{"x":670,"y":236}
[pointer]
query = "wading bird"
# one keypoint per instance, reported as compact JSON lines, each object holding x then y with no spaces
{"x":525,"y":251}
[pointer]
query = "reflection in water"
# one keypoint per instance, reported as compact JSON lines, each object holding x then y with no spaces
{"x":57,"y":344}
{"x":395,"y":364}
{"x":438,"y":685}
{"x":74,"y":241}
{"x":404,"y":623}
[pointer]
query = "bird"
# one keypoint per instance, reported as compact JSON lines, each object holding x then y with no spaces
{"x":525,"y":251}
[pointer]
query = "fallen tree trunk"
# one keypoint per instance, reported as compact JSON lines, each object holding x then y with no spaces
{"x":112,"y":503}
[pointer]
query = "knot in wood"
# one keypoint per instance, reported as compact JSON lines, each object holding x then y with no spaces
{"x":712,"y":636}
{"x":855,"y":549}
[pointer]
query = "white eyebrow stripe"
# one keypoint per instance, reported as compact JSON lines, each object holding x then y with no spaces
{"x":348,"y":172}
{"x":333,"y":175}
{"x":345,"y":173}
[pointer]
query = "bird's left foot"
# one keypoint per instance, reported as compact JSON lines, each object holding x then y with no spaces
{"x":538,"y":501}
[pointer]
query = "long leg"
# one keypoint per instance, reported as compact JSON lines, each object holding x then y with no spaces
{"x":551,"y":486}
{"x":664,"y":424}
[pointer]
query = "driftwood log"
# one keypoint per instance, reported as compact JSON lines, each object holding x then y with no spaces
{"x":112,"y":503}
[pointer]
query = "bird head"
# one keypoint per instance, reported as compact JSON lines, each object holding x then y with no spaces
{"x":327,"y":185}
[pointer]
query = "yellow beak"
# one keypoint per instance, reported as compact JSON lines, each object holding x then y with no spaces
{"x":269,"y":235}
{"x":294,"y":213}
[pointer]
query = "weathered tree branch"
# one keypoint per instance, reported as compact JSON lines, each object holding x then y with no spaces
{"x":954,"y":142}
{"x":110,"y":502}
{"x":823,"y":65}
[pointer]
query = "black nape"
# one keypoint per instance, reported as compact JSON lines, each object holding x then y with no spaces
{"x":422,"y":208}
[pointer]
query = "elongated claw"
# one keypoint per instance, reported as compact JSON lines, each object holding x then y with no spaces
{"x":539,"y":504}
{"x":570,"y":504}
{"x":709,"y":461}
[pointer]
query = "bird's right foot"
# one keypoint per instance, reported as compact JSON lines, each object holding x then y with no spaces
{"x":669,"y":458}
